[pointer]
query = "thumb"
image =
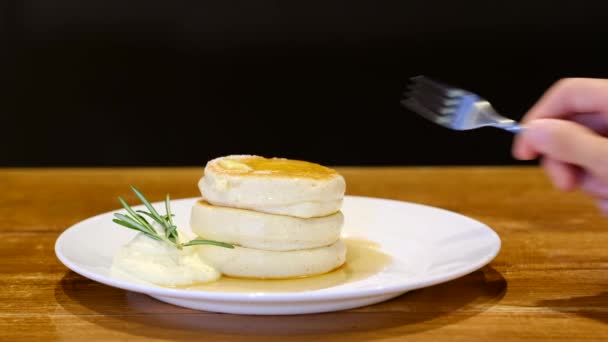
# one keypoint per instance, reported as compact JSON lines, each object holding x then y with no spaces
{"x":569,"y":142}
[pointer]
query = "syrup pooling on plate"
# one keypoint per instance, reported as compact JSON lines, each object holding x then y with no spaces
{"x":415,"y":262}
{"x":363,"y":260}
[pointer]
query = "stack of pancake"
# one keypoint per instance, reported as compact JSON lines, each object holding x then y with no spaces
{"x":283,"y":216}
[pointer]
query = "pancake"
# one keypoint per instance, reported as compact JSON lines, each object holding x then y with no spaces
{"x":271,"y":232}
{"x":256,"y":263}
{"x":273,"y":185}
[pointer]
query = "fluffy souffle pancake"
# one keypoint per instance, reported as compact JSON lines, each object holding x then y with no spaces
{"x":256,"y":263}
{"x":271,"y":232}
{"x":273,"y":185}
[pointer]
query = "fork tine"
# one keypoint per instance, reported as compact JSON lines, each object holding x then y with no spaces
{"x":434,"y":101}
{"x":432,"y":85}
{"x":415,"y":106}
{"x":435,"y":97}
{"x":452,"y":107}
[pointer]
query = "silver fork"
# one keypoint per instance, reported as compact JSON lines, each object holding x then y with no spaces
{"x":452,"y":107}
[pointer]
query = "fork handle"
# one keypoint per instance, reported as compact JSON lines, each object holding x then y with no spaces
{"x":515,"y":128}
{"x":510,"y":125}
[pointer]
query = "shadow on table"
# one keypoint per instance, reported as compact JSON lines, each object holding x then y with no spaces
{"x":594,"y":307}
{"x":419,"y":310}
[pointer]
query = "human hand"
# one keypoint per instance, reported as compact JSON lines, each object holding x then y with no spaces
{"x":567,"y":128}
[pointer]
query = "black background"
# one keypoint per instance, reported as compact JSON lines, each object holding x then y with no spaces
{"x":177,"y":83}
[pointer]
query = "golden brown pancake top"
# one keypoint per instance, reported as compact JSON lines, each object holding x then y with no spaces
{"x":272,"y":167}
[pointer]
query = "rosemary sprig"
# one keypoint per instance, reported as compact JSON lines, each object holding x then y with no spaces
{"x":135,"y":220}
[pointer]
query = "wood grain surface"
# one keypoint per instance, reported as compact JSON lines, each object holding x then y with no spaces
{"x":550,"y":280}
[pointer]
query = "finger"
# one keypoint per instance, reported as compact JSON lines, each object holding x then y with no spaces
{"x":523,"y":150}
{"x":570,"y":96}
{"x":596,"y":122}
{"x":593,"y":187}
{"x":603,"y":206}
{"x":565,"y":177}
{"x":569,"y":142}
{"x":565,"y":98}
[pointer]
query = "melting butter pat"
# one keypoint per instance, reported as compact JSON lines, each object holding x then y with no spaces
{"x":230,"y":164}
{"x":160,"y":263}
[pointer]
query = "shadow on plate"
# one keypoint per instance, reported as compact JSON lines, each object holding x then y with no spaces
{"x":593,"y":307}
{"x":419,"y":310}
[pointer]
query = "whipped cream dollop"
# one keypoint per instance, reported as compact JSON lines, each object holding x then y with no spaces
{"x":161,"y":263}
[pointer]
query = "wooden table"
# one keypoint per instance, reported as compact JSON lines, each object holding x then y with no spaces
{"x":550,"y":280}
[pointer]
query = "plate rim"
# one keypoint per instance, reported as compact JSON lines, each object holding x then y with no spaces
{"x":304,"y":296}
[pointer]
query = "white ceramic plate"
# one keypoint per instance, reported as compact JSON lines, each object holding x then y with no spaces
{"x":427,"y":246}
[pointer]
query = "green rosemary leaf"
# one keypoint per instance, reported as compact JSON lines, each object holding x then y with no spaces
{"x":148,"y":205}
{"x":126,"y":224}
{"x":135,"y":223}
{"x":168,"y":216}
{"x":139,"y":217}
{"x":169,"y":230}
{"x":208,"y":242}
{"x":130,"y":226}
{"x":161,"y":222}
{"x":129,"y":209}
{"x":172,"y":233}
{"x":150,"y":226}
{"x":130,"y":220}
{"x":138,"y":222}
